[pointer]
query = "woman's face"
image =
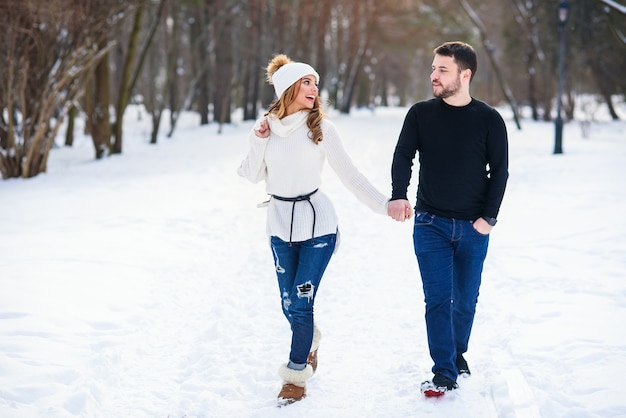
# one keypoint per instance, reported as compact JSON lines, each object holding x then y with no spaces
{"x":306,"y":94}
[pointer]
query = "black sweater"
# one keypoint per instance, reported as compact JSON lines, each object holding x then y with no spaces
{"x":463,"y":159}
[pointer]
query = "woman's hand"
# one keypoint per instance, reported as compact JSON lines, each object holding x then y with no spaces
{"x":400,"y":210}
{"x":264,"y":130}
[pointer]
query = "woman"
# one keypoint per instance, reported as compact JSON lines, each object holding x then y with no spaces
{"x":288,"y":147}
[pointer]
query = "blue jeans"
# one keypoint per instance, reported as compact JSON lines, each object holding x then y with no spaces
{"x":299,"y":267}
{"x":450,"y":254}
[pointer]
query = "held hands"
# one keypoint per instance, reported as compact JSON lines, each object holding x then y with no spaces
{"x":400,"y":210}
{"x":262,"y":129}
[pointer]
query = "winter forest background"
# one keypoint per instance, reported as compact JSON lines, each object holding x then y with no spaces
{"x":63,"y":59}
{"x":124,"y":266}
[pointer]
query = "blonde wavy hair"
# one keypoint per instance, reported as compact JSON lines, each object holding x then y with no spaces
{"x":279,"y":107}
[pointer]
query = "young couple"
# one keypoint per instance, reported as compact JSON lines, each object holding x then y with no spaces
{"x":463,"y":159}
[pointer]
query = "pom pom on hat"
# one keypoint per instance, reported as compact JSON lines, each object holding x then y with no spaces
{"x":282,"y":73}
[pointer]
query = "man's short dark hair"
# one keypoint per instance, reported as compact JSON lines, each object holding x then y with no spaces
{"x":463,"y":54}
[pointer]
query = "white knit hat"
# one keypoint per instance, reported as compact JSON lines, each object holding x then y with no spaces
{"x":289,"y":73}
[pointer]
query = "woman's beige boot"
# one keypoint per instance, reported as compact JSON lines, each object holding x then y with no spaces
{"x":294,"y":384}
{"x":317,"y":337}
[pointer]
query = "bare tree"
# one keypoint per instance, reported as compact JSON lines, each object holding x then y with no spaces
{"x":97,"y":107}
{"x":598,"y":43}
{"x":224,"y":68}
{"x":153,"y":85}
{"x":494,"y":63}
{"x":359,"y":44}
{"x":47,"y":58}
{"x":252,"y":59}
{"x":62,"y":57}
{"x":615,"y":5}
{"x":199,"y":21}
{"x":133,"y":63}
{"x":532,"y":53}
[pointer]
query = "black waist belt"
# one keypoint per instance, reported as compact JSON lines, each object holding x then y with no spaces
{"x":306,"y":197}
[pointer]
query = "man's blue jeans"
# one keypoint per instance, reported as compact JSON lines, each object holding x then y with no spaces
{"x":450,"y":254}
{"x":300,"y":267}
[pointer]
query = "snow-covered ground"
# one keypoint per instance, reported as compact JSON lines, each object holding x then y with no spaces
{"x":142,"y":285}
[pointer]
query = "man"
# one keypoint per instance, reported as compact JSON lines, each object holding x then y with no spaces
{"x":463,"y":169}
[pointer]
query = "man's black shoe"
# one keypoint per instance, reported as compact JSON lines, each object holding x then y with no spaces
{"x":440,"y":381}
{"x":461,"y":365}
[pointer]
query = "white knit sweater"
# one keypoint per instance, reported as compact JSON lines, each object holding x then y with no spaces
{"x":291,"y":165}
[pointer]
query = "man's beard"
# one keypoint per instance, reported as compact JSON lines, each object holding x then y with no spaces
{"x":449,"y":90}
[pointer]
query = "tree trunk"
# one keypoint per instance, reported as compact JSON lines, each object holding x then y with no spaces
{"x":123,"y":95}
{"x":100,"y":118}
{"x":69,"y":133}
{"x":494,"y":63}
{"x":10,"y":163}
{"x":252,"y":64}
{"x":359,"y":42}
{"x":200,"y":65}
{"x":171,"y":66}
{"x":130,"y":77}
{"x":224,"y":74}
{"x":609,"y":103}
{"x":351,"y":81}
{"x":321,"y":65}
{"x":156,"y":122}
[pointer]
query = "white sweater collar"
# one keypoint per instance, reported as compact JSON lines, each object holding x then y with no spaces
{"x":285,"y":126}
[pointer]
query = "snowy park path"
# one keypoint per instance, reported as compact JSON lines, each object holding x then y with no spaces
{"x":143,"y":286}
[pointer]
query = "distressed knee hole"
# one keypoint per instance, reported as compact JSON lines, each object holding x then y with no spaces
{"x":306,"y":290}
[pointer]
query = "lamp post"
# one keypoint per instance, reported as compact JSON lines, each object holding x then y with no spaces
{"x":558,"y":123}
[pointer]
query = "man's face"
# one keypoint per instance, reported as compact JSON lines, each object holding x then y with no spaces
{"x":445,"y":77}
